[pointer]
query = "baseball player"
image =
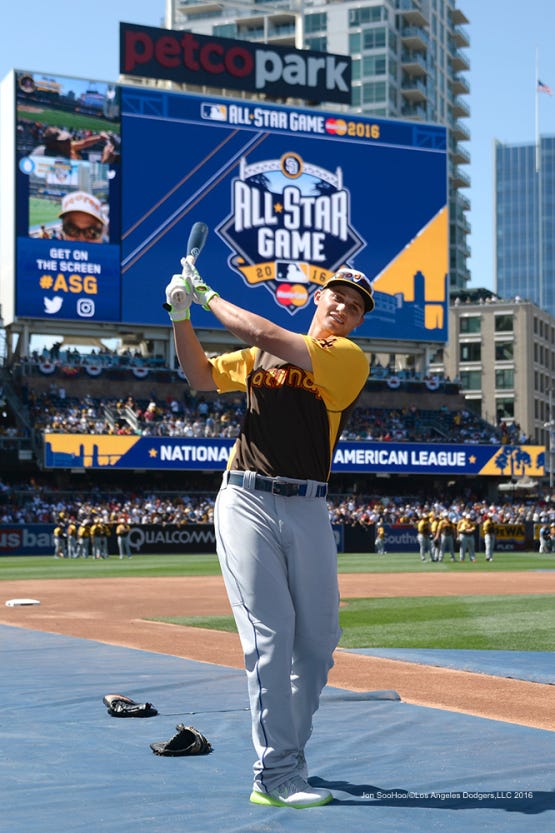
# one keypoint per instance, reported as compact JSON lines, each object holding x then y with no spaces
{"x":274,"y":539}
{"x":424,"y":537}
{"x":122,"y":535}
{"x":60,"y":540}
{"x":71,"y":533}
{"x":380,"y":538}
{"x":466,"y":529}
{"x":488,"y":531}
{"x":84,"y":538}
{"x":446,"y":531}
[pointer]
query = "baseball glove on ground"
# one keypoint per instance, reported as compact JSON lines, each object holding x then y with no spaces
{"x":119,"y":705}
{"x":187,"y":741}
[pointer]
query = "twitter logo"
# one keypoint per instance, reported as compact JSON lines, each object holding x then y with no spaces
{"x":52,"y":305}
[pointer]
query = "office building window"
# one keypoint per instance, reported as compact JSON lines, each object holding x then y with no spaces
{"x":471,"y":379}
{"x":505,"y":407}
{"x":504,"y":351}
{"x":470,"y":323}
{"x":374,"y":65}
{"x":369,"y":14}
{"x":315,"y":22}
{"x":318,"y":44}
{"x":355,"y":41}
{"x":470,"y":351}
{"x":504,"y":323}
{"x":504,"y":379}
{"x":374,"y":38}
{"x":226,"y":30}
{"x":373,"y":92}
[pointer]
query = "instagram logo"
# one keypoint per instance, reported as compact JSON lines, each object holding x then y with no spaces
{"x":85,"y":307}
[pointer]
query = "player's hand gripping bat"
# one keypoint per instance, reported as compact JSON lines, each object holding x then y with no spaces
{"x":178,"y":294}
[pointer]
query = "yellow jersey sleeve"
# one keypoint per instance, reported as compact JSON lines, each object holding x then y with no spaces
{"x":340,"y":370}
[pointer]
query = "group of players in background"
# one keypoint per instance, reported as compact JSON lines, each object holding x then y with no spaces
{"x":437,"y":535}
{"x":89,"y":538}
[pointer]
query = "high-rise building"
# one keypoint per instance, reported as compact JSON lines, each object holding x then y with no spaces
{"x":408,"y":62}
{"x":525,"y":222}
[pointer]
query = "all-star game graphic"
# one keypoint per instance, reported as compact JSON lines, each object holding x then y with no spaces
{"x":290,"y":227}
{"x":289,"y":196}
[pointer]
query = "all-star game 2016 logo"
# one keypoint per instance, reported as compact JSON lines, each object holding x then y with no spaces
{"x":289,"y":227}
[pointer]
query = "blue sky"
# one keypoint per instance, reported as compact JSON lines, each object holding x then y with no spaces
{"x":64,"y":38}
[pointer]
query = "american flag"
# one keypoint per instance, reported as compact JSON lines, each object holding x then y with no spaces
{"x":543,"y":88}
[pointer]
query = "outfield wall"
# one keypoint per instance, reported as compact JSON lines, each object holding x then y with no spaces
{"x":38,"y":539}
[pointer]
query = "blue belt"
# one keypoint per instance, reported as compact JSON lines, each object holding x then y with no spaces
{"x":283,"y":488}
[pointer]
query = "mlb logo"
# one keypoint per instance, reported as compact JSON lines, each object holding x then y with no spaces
{"x":214,"y":112}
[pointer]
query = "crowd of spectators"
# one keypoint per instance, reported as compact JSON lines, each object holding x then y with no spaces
{"x":196,"y":417}
{"x":28,"y":503}
{"x":35,"y":506}
{"x":64,"y":357}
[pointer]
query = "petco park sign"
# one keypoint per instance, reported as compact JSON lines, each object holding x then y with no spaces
{"x":188,"y":58}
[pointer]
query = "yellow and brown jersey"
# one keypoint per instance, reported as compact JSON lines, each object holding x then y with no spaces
{"x":423,"y":526}
{"x":446,"y":527}
{"x":292,"y":414}
{"x":466,"y":526}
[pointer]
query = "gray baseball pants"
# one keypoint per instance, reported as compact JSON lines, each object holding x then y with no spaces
{"x":279,"y":563}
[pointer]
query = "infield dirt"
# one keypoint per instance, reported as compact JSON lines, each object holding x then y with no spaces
{"x":116,"y":612}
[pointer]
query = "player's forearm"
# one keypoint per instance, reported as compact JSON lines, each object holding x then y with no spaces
{"x":257,"y":331}
{"x":246,"y":326}
{"x":192,"y":357}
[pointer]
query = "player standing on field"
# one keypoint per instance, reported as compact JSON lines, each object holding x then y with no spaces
{"x":274,"y":539}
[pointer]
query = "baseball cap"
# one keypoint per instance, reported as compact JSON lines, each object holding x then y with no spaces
{"x":356,"y":279}
{"x":82,"y":201}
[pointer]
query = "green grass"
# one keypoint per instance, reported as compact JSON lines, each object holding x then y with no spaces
{"x":15,"y":568}
{"x":411,"y":563}
{"x":518,"y":623}
{"x":42,"y":211}
{"x":500,"y":623}
{"x":41,"y":567}
{"x":67,"y":118}
{"x":493,"y":623}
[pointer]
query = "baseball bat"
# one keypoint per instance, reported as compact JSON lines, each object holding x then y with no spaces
{"x":195,"y":245}
{"x":196,"y":241}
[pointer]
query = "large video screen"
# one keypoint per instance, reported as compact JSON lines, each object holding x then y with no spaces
{"x":289,"y":196}
{"x":68,"y":221}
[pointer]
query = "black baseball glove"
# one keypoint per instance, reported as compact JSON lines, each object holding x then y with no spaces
{"x":187,"y":741}
{"x":119,"y":705}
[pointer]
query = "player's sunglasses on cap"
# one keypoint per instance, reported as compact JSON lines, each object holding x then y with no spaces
{"x":356,"y":279}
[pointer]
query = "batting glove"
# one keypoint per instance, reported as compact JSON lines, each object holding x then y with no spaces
{"x":201,"y":292}
{"x":178,"y":299}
